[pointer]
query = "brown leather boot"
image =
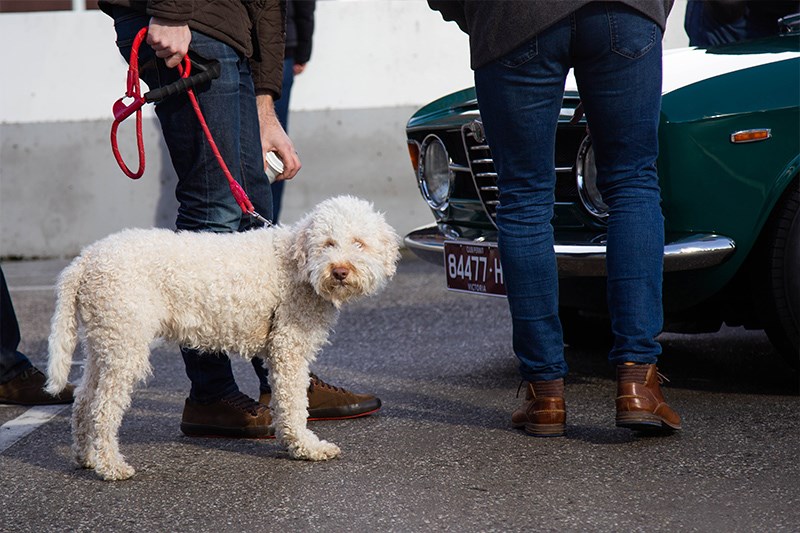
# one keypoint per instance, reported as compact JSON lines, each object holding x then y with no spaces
{"x":640,"y":403}
{"x":236,"y":416}
{"x":328,"y":402}
{"x":543,"y":414}
{"x":28,"y":389}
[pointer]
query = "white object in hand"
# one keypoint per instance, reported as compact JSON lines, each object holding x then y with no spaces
{"x":274,"y":166}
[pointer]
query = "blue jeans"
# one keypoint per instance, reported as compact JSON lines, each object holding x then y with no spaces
{"x":282,"y":110}
{"x":616,"y":54}
{"x":205,"y":200}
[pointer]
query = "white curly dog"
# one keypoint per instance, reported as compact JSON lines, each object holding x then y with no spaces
{"x":273,"y":293}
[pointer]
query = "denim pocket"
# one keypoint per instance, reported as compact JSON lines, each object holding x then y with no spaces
{"x":521,"y":54}
{"x":632,"y":33}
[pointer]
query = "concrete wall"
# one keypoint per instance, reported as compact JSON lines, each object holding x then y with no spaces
{"x":374,"y":63}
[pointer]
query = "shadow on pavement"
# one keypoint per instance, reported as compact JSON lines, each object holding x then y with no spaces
{"x":732,"y":360}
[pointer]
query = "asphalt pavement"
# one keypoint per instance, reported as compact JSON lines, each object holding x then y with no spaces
{"x":440,"y":455}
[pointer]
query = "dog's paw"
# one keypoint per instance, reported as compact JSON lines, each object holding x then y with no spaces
{"x":321,"y":450}
{"x":86,"y":457}
{"x":84,"y":460}
{"x":326,"y":450}
{"x":115,"y":472}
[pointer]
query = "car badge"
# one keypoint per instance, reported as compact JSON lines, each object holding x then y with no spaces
{"x":476,"y":128}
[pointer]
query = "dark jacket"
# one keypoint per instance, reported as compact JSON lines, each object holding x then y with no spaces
{"x":767,"y":13}
{"x":299,"y":29}
{"x":255,"y":28}
{"x":497,"y":27}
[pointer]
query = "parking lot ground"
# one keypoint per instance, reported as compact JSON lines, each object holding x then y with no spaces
{"x":440,"y":455}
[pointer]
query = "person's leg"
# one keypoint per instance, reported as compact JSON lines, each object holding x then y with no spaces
{"x":520,"y":97}
{"x":12,"y":362}
{"x":20,"y":381}
{"x":282,"y":110}
{"x":282,"y":104}
{"x":618,"y":69}
{"x":253,"y":178}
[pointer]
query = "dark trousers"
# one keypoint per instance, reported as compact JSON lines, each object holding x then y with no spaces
{"x":12,"y":362}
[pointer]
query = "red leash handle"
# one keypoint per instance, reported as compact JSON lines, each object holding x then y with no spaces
{"x":123,"y":111}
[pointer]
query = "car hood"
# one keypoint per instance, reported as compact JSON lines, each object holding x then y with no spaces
{"x":687,"y":66}
{"x":684,"y":68}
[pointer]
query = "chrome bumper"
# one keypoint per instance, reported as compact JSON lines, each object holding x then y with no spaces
{"x":691,"y":252}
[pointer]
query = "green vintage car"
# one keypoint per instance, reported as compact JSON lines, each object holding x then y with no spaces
{"x":728,"y":166}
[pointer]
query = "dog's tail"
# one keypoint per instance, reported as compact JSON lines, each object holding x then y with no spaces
{"x":64,"y":327}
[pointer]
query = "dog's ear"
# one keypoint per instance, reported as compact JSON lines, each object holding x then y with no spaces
{"x":390,"y":240}
{"x":299,"y":244}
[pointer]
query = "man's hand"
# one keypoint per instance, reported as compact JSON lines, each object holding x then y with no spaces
{"x":298,"y":68}
{"x":274,"y":139}
{"x":169,"y":39}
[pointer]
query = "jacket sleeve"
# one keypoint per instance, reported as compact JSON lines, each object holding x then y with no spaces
{"x":304,"y":21}
{"x":726,"y":11}
{"x":451,"y":10}
{"x":269,"y":38}
{"x":176,"y":10}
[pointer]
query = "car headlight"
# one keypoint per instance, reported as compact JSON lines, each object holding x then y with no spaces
{"x":434,"y":175}
{"x":586,"y":175}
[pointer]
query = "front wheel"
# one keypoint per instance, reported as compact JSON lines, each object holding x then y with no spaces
{"x":782,"y":275}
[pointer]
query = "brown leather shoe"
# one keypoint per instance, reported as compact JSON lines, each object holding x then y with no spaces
{"x":235,"y":416}
{"x":640,"y":403}
{"x":328,"y":402}
{"x":28,"y":389}
{"x":543,"y":413}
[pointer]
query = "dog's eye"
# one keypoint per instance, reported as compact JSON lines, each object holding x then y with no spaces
{"x":330,"y":243}
{"x":358,"y":243}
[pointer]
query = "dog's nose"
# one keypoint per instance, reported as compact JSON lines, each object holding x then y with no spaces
{"x":340,"y":273}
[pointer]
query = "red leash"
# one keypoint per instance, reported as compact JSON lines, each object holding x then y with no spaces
{"x":123,"y":111}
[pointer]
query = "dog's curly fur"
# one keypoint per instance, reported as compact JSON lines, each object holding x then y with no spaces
{"x":273,"y":293}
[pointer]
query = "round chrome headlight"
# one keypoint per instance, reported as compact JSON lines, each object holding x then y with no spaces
{"x":434,"y":175}
{"x":586,"y":174}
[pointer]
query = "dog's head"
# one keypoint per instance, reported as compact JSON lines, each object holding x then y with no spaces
{"x":345,"y":249}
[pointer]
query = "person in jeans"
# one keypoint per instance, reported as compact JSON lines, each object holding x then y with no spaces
{"x":715,"y":22}
{"x":299,"y":39}
{"x":247,"y":39}
{"x":20,"y":382}
{"x":521,"y":52}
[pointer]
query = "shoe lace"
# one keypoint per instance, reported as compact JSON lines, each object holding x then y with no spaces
{"x":316,"y":382}
{"x":519,"y":388}
{"x":661,"y":378}
{"x":242,"y":401}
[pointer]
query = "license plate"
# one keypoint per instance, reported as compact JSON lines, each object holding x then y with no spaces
{"x":473,"y":268}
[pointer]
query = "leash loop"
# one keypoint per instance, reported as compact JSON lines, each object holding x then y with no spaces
{"x":122,"y":111}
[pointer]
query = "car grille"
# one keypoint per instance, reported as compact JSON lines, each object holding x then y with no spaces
{"x":484,"y":174}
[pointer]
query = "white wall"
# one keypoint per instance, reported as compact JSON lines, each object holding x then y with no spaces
{"x":367,"y":54}
{"x":374,"y":62}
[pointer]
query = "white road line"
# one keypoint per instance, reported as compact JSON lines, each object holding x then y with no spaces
{"x":15,"y":429}
{"x":32,"y":288}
